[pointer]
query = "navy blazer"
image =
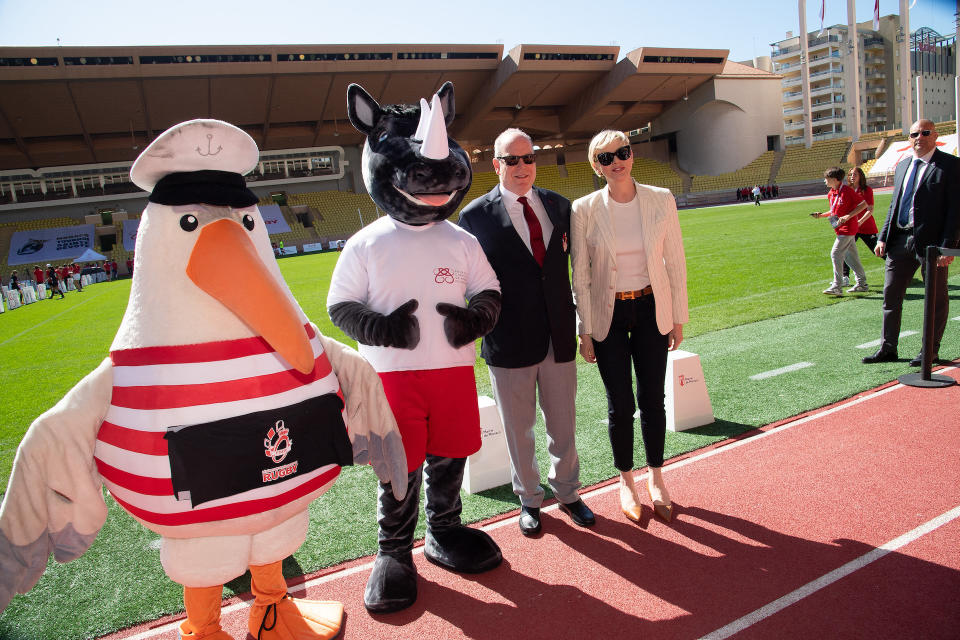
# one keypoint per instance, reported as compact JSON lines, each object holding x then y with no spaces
{"x":936,"y":203}
{"x":537,"y":301}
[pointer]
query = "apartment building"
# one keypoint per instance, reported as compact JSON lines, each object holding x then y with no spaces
{"x":833,"y":75}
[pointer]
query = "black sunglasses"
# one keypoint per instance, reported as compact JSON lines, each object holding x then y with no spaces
{"x":917,"y":134}
{"x":606,"y":158}
{"x":512,"y":161}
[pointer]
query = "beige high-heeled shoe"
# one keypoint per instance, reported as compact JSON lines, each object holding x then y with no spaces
{"x":664,"y":510}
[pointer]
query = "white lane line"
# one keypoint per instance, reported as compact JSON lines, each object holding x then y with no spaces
{"x":827,"y":579}
{"x":53,"y":317}
{"x":957,"y":318}
{"x":776,"y":372}
{"x":876,"y":343}
{"x":586,"y":495}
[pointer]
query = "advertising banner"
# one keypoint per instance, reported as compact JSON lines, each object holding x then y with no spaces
{"x":59,"y":244}
{"x":887,"y":163}
{"x":130,"y":227}
{"x":273,"y":218}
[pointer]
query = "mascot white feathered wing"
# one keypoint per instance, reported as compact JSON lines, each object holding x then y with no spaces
{"x":218,"y":416}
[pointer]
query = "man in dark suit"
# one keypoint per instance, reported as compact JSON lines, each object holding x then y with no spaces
{"x":524,"y":232}
{"x":924,"y":211}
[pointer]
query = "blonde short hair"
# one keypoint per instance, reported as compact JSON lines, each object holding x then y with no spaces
{"x":602,"y":139}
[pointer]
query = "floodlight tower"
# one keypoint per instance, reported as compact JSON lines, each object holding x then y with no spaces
{"x":805,"y":75}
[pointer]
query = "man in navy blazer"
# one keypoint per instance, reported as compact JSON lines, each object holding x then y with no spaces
{"x":924,"y":211}
{"x":525,"y":233}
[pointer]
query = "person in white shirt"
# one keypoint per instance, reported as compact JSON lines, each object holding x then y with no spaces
{"x":630,"y":287}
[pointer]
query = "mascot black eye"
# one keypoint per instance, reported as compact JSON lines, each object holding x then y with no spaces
{"x":383,"y":136}
{"x":248,"y":222}
{"x":189,"y":223}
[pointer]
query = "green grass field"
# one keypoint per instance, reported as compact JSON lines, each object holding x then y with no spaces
{"x":755,"y":278}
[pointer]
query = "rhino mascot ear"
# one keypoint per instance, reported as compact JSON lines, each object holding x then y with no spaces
{"x":446,"y":100}
{"x":363,"y":110}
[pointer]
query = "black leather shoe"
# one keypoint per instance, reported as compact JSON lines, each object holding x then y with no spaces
{"x":579,"y":513}
{"x":529,"y":521}
{"x":882,"y":355}
{"x":916,"y":362}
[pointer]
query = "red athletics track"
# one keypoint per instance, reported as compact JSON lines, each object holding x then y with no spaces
{"x":844,"y":523}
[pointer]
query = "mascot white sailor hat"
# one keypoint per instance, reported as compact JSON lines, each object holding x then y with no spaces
{"x":198,"y":161}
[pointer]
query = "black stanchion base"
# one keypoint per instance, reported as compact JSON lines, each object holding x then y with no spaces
{"x":935,"y":381}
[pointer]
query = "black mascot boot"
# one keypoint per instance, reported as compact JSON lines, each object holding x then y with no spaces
{"x":449,"y":544}
{"x":392,"y":585}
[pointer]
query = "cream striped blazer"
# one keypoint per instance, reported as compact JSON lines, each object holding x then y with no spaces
{"x":593,"y":251}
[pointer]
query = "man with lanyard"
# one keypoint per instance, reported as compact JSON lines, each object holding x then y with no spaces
{"x":924,"y":211}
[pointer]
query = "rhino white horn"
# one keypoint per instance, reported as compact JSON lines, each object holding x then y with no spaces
{"x":435,"y":144}
{"x":424,"y":119}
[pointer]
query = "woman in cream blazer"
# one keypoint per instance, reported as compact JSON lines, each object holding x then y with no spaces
{"x":630,"y":288}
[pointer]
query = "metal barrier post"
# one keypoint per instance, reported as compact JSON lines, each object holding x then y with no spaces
{"x":924,"y":378}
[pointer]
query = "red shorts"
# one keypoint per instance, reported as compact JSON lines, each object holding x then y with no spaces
{"x":436,"y":410}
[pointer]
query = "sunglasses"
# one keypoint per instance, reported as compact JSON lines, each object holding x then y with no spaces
{"x":917,"y":134}
{"x":513,"y":161}
{"x":606,"y":158}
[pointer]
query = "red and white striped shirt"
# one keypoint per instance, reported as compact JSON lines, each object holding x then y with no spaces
{"x":159,"y":387}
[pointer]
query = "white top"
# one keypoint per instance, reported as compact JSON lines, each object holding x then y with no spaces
{"x":628,"y":237}
{"x":388,"y":262}
{"x":515,"y":211}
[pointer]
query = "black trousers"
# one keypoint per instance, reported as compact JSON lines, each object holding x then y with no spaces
{"x":902,"y":264}
{"x":634,"y":339}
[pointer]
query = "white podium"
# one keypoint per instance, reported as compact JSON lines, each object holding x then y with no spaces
{"x":685,"y":393}
{"x":490,"y":466}
{"x":13,"y":298}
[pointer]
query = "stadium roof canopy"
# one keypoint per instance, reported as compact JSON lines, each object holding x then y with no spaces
{"x":86,"y":105}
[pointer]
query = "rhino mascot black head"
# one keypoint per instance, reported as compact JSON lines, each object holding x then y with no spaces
{"x":411,"y":168}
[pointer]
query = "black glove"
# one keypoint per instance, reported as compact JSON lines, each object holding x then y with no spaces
{"x":398,"y":329}
{"x":464,"y":325}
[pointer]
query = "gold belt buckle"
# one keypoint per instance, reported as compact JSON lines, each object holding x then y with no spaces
{"x":627,"y":295}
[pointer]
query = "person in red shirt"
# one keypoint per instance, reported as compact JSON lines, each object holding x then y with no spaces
{"x":868,"y":226}
{"x":75,"y":274}
{"x":846,"y":207}
{"x":106,"y":269}
{"x":37,"y":274}
{"x":130,"y":266}
{"x":113,"y":270}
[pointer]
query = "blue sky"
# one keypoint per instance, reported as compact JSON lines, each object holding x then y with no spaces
{"x":745,"y":27}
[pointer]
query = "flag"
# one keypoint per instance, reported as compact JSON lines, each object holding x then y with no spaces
{"x":822,"y":11}
{"x":876,"y":15}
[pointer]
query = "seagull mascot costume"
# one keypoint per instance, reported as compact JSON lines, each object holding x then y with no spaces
{"x":220,"y":414}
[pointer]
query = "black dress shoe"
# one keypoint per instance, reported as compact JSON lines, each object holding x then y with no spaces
{"x":918,"y":361}
{"x":579,"y":513}
{"x":529,"y":521}
{"x":882,"y":355}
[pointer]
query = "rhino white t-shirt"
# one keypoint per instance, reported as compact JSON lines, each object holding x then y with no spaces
{"x":387,"y":263}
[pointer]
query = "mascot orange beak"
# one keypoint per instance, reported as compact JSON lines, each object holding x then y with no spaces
{"x":226,"y":265}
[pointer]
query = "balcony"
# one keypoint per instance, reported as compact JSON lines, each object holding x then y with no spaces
{"x":828,"y":89}
{"x":878,"y":104}
{"x":873,"y":60}
{"x":789,"y":82}
{"x":791,"y":110}
{"x":814,"y":62}
{"x":793,"y":126}
{"x":828,"y":72}
{"x":873,"y":43}
{"x":827,"y":119}
{"x":792,"y":95}
{"x":875,"y":89}
{"x":878,"y":75}
{"x":875,"y":117}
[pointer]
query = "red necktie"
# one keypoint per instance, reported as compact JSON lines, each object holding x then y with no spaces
{"x":536,"y":231}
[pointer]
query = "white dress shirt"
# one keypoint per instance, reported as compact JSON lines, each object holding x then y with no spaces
{"x":515,"y":211}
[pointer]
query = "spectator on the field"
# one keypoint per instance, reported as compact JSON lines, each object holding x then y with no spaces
{"x":75,"y":274}
{"x":53,"y":282}
{"x":14,"y":280}
{"x":846,"y":206}
{"x":630,"y":290}
{"x":37,"y":274}
{"x":756,"y":194}
{"x":130,"y":265}
{"x":867,"y":231}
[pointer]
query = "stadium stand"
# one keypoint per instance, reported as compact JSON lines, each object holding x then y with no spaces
{"x":658,"y":174}
{"x":802,"y":164}
{"x":757,"y":172}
